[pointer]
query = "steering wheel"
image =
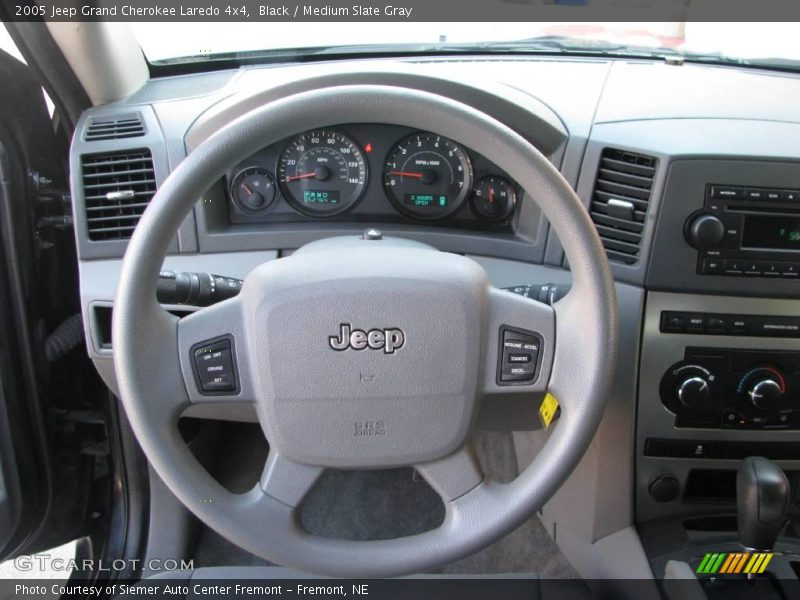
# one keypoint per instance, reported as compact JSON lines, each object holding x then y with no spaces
{"x":424,"y":325}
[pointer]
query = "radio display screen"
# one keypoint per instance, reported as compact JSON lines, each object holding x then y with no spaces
{"x":781,"y":233}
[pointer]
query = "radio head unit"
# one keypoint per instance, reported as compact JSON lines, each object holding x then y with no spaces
{"x":745,"y":231}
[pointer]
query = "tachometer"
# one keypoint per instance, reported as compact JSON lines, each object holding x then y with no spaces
{"x":322,"y":173}
{"x":427,"y":176}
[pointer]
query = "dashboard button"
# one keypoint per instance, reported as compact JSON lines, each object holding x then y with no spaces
{"x":773,"y":195}
{"x":673,"y":322}
{"x":711,"y":266}
{"x":723,"y":192}
{"x":770,"y":269}
{"x":783,"y":419}
{"x":754,"y":194}
{"x":733,"y":418}
{"x":775,"y":326}
{"x":739,"y":325}
{"x":790,"y":195}
{"x":790,"y":269}
{"x":716,"y":325}
{"x":733,"y":267}
{"x":693,"y":448}
{"x":752,"y":267}
{"x":695,"y":323}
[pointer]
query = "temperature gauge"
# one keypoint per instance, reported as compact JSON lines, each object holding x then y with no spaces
{"x":253,"y":190}
{"x":494,"y":198}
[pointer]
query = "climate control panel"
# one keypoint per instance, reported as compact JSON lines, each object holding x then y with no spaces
{"x":730,"y":388}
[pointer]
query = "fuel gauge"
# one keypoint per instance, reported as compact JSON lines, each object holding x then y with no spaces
{"x":494,"y":198}
{"x":253,"y":190}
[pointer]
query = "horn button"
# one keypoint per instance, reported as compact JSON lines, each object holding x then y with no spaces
{"x":366,"y":357}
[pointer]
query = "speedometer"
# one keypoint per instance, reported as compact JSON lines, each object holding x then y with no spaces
{"x":427,"y":176}
{"x":322,"y":173}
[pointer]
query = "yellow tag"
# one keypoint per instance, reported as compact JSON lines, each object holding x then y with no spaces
{"x":548,"y":409}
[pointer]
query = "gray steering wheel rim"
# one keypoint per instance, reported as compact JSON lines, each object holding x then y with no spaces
{"x":581,"y":375}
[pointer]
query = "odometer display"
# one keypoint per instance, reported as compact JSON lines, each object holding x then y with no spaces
{"x":330,"y":197}
{"x":425,"y":200}
{"x":427,"y":176}
{"x":322,"y":173}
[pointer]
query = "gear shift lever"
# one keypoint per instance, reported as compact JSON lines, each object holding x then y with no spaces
{"x":762,"y":498}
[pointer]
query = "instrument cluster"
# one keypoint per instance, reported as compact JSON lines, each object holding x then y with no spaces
{"x":372,"y":173}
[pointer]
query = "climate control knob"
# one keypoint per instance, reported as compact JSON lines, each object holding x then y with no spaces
{"x":693,"y":391}
{"x":705,"y":231}
{"x":765,"y":394}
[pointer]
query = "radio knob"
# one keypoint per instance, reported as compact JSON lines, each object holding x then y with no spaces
{"x":765,"y":393}
{"x":705,"y":231}
{"x":693,"y":391}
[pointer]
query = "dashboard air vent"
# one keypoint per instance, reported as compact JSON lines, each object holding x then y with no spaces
{"x":114,"y":128}
{"x":117,"y":188}
{"x":619,"y":204}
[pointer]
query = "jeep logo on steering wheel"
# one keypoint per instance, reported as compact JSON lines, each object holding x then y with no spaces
{"x":358,"y":339}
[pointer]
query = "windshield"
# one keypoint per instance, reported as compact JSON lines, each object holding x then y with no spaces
{"x":762,"y":43}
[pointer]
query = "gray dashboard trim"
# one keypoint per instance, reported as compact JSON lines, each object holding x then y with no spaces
{"x":597,"y":499}
{"x":98,"y":279}
{"x":530,"y":117}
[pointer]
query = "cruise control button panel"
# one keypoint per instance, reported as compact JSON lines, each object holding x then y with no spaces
{"x":214,"y":370}
{"x":518,"y":357}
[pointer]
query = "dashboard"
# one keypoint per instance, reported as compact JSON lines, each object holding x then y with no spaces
{"x":691,"y":182}
{"x":372,"y":173}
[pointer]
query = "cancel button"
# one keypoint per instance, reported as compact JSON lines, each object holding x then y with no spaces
{"x":519,"y":358}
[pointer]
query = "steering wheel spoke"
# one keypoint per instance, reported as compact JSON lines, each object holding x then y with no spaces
{"x":455,"y":475}
{"x":211,"y":351}
{"x":287,"y":481}
{"x":520,"y":345}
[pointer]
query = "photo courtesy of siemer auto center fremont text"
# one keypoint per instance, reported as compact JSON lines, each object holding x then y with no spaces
{"x":400,"y":299}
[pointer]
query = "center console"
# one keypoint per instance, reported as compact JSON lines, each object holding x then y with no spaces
{"x":719,"y":371}
{"x":713,"y":389}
